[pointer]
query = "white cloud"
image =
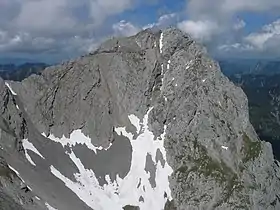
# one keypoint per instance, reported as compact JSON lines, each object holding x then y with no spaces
{"x":249,"y":5}
{"x":45,"y":15}
{"x":222,"y":13}
{"x":267,"y":38}
{"x":265,"y":42}
{"x":220,"y":9}
{"x":235,"y":47}
{"x":201,"y":30}
{"x":258,"y":40}
{"x":167,"y":19}
{"x":163,"y":21}
{"x":239,"y":25}
{"x":55,"y":27}
{"x":124,"y":28}
{"x":29,"y":44}
{"x":100,"y":9}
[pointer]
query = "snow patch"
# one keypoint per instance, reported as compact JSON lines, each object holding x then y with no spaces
{"x":87,"y":187}
{"x":29,"y":146}
{"x":224,"y":147}
{"x":49,"y":207}
{"x":135,"y":122}
{"x":176,"y":85}
{"x":162,"y":73}
{"x":161,"y":42}
{"x":17,"y":173}
{"x":37,"y":198}
{"x":145,"y":144}
{"x":29,"y":159}
{"x":17,"y":107}
{"x":76,"y":137}
{"x":168,"y":64}
{"x":203,"y":80}
{"x":127,"y":191}
{"x":10,"y":88}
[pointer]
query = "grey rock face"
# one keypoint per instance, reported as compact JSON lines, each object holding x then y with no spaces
{"x":151,"y":168}
{"x":14,"y":193}
{"x":218,"y":161}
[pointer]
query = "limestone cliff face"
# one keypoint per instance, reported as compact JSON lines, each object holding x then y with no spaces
{"x":150,"y":114}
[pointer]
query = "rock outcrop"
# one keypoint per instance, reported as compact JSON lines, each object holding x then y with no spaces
{"x":145,"y":122}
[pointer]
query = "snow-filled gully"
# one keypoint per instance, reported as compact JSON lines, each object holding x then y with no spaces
{"x":127,"y":191}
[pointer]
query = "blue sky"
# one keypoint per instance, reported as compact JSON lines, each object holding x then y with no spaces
{"x":55,"y":30}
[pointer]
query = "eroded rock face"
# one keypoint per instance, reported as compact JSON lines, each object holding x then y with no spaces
{"x":148,"y":122}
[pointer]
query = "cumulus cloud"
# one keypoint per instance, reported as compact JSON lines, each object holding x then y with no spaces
{"x":26,"y":43}
{"x":201,"y":30}
{"x":235,"y":47}
{"x":77,"y":26}
{"x":221,"y":9}
{"x":124,"y":28}
{"x":63,"y":15}
{"x":249,"y":5}
{"x":100,"y":9}
{"x":56,"y":26}
{"x":45,"y":15}
{"x":264,"y":43}
{"x":268,"y":38}
{"x":239,"y":25}
{"x":27,"y":15}
{"x":209,"y":19}
{"x":163,"y":21}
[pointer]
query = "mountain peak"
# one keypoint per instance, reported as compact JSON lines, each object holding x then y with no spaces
{"x":144,"y":122}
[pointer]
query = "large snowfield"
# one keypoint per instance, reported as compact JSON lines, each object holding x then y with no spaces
{"x":135,"y":189}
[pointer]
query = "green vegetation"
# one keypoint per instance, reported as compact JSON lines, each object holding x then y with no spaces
{"x":263,"y":92}
{"x":208,"y":167}
{"x":251,"y":149}
{"x":6,"y":173}
{"x":202,"y":164}
{"x":205,"y":165}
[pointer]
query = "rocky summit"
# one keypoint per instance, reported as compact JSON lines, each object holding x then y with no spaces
{"x":147,"y":122}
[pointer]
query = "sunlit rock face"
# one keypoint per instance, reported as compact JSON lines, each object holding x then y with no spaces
{"x":145,"y":122}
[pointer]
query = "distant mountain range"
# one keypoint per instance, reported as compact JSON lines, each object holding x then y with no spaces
{"x":256,"y":67}
{"x":260,"y":80}
{"x":20,"y":72}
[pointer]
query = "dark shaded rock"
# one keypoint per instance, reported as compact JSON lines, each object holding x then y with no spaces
{"x":128,"y":207}
{"x":170,"y":205}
